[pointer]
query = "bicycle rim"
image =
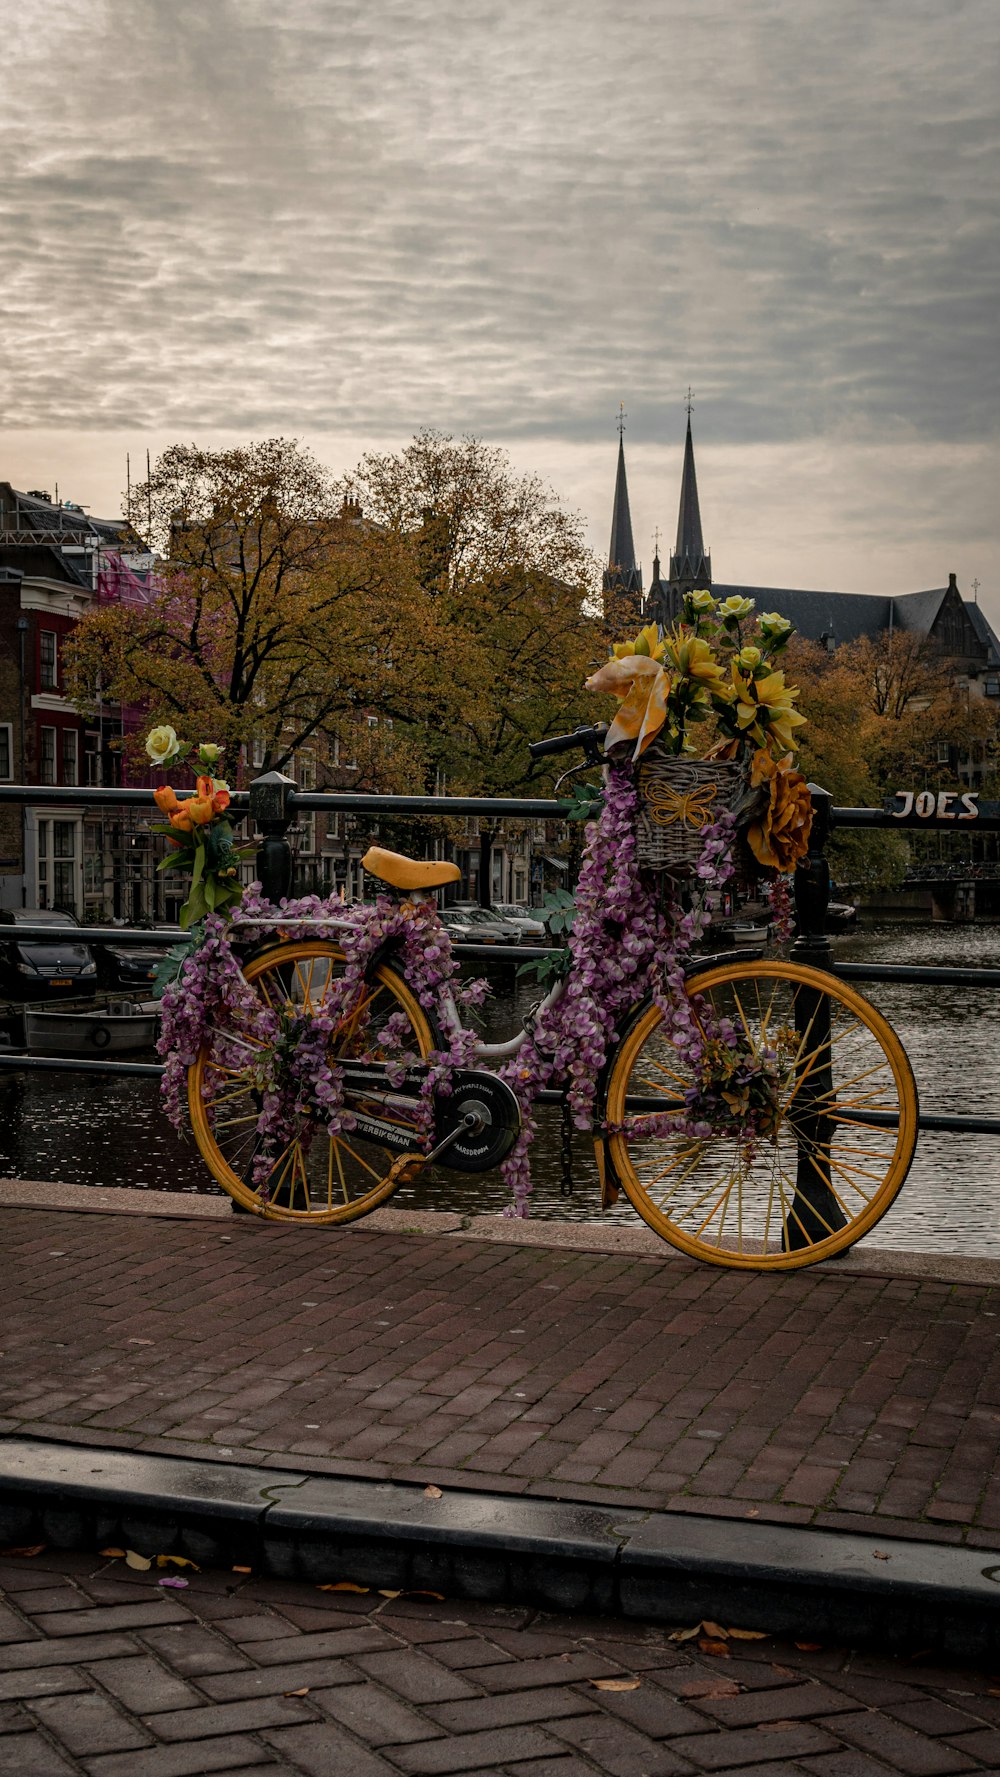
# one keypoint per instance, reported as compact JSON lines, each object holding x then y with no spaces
{"x":838,"y":1140}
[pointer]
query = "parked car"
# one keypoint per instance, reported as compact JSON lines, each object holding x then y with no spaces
{"x":469,"y":924}
{"x":121,"y":965}
{"x":44,"y":967}
{"x":531,"y":928}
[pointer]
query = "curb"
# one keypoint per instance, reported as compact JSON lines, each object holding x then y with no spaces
{"x":661,"y":1567}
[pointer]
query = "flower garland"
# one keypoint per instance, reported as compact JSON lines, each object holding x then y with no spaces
{"x":286,"y":1054}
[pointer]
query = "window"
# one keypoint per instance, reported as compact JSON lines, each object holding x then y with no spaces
{"x":258,"y":754}
{"x":335,"y":749}
{"x":57,"y":864}
{"x":6,"y":750}
{"x":69,"y":756}
{"x":47,"y":659}
{"x":305,"y":770}
{"x":48,"y":756}
{"x":92,"y":759}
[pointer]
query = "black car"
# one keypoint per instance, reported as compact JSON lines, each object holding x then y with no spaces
{"x":128,"y":965}
{"x":49,"y":968}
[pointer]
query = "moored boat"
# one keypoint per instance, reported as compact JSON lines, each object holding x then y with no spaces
{"x":110,"y":1030}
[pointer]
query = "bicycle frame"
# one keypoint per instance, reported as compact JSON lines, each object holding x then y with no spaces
{"x":449,"y":1013}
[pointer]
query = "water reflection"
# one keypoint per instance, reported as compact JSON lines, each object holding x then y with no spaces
{"x":99,"y":1130}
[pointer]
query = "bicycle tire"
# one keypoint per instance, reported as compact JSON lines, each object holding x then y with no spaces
{"x":832,"y":1163}
{"x":300,"y":1187}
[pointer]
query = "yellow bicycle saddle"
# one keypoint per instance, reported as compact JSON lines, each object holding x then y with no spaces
{"x":408,"y":873}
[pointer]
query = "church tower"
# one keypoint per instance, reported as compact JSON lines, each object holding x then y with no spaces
{"x":690,"y":565}
{"x":622,"y":576}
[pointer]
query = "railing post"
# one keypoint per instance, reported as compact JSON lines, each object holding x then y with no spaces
{"x":815,"y":1212}
{"x":812,"y":888}
{"x":270,"y":812}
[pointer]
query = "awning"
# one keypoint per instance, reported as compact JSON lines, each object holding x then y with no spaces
{"x":557,"y":863}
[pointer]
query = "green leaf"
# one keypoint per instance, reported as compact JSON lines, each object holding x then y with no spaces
{"x":199,"y":865}
{"x":195,"y":907}
{"x":210,"y":888}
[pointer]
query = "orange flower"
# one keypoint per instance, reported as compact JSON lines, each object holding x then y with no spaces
{"x":166,"y":799}
{"x":221,"y":799}
{"x":781,"y":836}
{"x":200,"y":807}
{"x":181,"y":817}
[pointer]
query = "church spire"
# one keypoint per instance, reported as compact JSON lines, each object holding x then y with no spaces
{"x":690,"y":566}
{"x":622,"y":576}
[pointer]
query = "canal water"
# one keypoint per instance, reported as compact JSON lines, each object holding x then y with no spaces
{"x":105,"y":1131}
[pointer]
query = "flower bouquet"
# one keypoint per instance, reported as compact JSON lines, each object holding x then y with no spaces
{"x":198,"y":830}
{"x":707,"y":722}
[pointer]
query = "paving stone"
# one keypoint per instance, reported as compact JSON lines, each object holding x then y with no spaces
{"x":505,"y":1710}
{"x":231,"y":1718}
{"x":376,"y":1717}
{"x":229,"y":1753}
{"x":87,"y":1723}
{"x":414,"y":1676}
{"x":901,"y":1747}
{"x":497,"y":1746}
{"x":65,"y":1650}
{"x":326,"y":1750}
{"x":144,"y":1686}
{"x":45,"y":1682}
{"x":331,"y":1643}
{"x":28,"y":1755}
{"x":274,"y":1681}
{"x":620,"y":1750}
{"x":193,"y":1650}
{"x":736,"y":1747}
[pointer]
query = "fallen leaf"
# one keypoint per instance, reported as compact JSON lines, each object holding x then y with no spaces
{"x":776,"y":1727}
{"x":432,"y":1492}
{"x":754,"y":1512}
{"x":709,"y":1687}
{"x":112,"y":1554}
{"x":35,"y":1549}
{"x":715,"y":1630}
{"x":242,"y":1570}
{"x":718,"y":1649}
{"x":139,"y":1562}
{"x":684,"y":1634}
{"x":303,"y":1691}
{"x":437,"y":1596}
{"x":783,"y":1671}
{"x":809,"y":1647}
{"x":747,"y":1634}
{"x":880,"y":1555}
{"x":384,"y":1594}
{"x":179,"y":1583}
{"x":141,"y":1341}
{"x":343,"y":1586}
{"x":176,"y":1561}
{"x":616,"y":1684}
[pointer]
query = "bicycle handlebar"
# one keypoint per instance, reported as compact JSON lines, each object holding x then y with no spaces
{"x":586,"y":737}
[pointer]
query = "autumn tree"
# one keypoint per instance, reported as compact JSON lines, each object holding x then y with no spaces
{"x":265,"y":607}
{"x":501,"y":575}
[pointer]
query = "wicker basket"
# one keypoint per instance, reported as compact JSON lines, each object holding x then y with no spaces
{"x":678,"y":799}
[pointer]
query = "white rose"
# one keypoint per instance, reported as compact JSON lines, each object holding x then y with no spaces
{"x":162,"y":745}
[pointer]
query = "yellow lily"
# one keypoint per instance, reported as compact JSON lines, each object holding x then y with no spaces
{"x":646,"y":643}
{"x":767,"y":704}
{"x":694,"y":659}
{"x":642,"y":687}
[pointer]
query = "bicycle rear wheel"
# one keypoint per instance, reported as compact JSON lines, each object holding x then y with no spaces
{"x":304,"y":1174}
{"x":825,"y":1153}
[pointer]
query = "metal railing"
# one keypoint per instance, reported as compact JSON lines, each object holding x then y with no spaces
{"x":273,"y":802}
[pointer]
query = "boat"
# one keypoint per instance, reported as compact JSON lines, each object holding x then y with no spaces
{"x":840,"y":914}
{"x":93,"y":1032}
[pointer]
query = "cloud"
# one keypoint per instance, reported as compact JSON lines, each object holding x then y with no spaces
{"x":334,"y":219}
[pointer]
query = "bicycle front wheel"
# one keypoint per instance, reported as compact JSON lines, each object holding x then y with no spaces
{"x":785,"y":1140}
{"x":305,"y":1174}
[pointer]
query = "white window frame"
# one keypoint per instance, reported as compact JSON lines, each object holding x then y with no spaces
{"x":45,"y":666}
{"x":70,"y":755}
{"x":43,"y":762}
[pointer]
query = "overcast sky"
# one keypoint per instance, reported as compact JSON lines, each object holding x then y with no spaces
{"x":344,"y":221}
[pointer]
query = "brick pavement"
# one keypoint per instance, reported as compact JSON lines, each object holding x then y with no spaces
{"x":105,"y":1672}
{"x":819,"y":1397}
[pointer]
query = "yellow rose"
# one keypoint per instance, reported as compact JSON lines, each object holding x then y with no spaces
{"x":162,"y":745}
{"x":208,"y":752}
{"x":773,"y":624}
{"x":735,"y":608}
{"x":749,"y":658}
{"x":701,"y":600}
